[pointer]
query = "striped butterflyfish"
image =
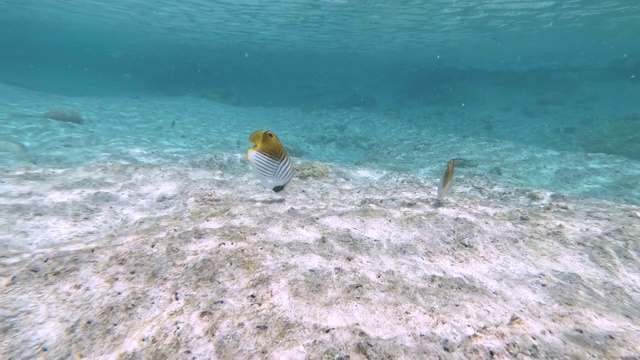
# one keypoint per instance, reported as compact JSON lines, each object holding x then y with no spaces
{"x":445,"y":183}
{"x":269,"y":160}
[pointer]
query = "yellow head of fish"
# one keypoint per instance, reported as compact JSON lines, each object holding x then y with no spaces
{"x":267,"y":143}
{"x":269,"y":160}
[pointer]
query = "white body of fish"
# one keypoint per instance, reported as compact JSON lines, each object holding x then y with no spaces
{"x":273,"y":173}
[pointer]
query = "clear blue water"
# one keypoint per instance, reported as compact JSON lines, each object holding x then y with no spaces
{"x":561,"y":75}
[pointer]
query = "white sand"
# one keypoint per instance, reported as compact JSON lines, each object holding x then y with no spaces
{"x":146,"y":246}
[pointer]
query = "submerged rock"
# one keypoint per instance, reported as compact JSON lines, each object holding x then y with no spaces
{"x":8,"y":146}
{"x":465,"y":163}
{"x":66,"y":115}
{"x":311,"y":170}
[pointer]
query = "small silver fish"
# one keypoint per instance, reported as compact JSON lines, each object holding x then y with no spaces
{"x":270,"y":160}
{"x":445,"y":183}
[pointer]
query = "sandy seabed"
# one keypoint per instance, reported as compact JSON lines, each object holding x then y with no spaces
{"x":119,"y":258}
{"x":175,"y":262}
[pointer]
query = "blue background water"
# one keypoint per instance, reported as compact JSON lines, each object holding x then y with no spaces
{"x":555,"y":74}
{"x":142,"y":231}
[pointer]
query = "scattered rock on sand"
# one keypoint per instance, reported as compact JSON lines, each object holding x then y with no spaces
{"x":465,"y":163}
{"x":66,"y":115}
{"x":311,"y":170}
{"x":8,"y":146}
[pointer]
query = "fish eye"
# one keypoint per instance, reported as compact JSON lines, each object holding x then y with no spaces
{"x":270,"y":134}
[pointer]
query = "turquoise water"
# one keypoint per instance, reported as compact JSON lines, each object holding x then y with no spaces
{"x":553,"y":75}
{"x":132,"y":226}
